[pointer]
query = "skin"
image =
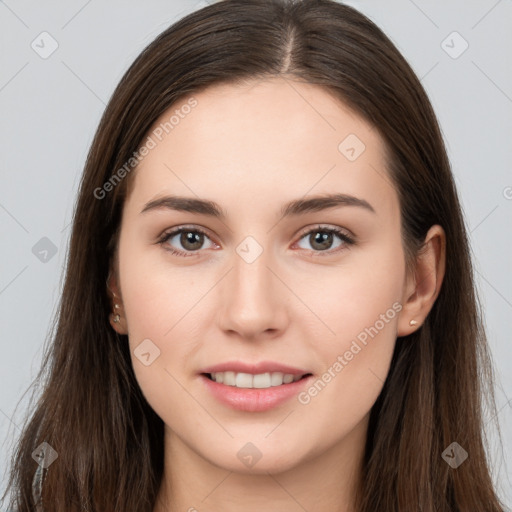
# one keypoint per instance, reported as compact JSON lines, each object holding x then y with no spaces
{"x":251,"y":149}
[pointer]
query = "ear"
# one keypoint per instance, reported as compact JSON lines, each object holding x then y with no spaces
{"x":422,"y":289}
{"x":116,"y":304}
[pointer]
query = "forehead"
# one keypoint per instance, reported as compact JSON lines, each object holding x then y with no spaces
{"x":274,"y":138}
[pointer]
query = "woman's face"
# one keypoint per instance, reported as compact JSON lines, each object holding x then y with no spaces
{"x":263,"y":283}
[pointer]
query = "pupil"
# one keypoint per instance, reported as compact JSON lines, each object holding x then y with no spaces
{"x":323,"y":239}
{"x":189,"y":237}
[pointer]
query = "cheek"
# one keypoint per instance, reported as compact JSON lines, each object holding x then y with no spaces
{"x":355,"y":364}
{"x":164,"y":308}
{"x":158,"y":304}
{"x":360,"y":305}
{"x":155,"y":295}
{"x":162,"y":324}
{"x":353,"y":295}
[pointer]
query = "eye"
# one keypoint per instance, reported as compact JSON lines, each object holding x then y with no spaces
{"x":321,"y":239}
{"x":191,"y":241}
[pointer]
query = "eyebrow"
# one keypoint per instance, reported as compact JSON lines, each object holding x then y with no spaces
{"x":292,"y":208}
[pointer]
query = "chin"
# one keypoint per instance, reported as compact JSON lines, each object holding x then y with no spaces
{"x":255,"y":458}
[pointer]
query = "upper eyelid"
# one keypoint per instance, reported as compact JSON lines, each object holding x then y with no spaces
{"x":178,"y":229}
{"x":325,"y":227}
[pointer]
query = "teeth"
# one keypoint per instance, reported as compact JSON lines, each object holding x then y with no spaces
{"x":259,"y":381}
{"x":243,"y":380}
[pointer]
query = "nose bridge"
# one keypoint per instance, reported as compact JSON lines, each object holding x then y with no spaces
{"x":251,"y":298}
{"x":251,"y":276}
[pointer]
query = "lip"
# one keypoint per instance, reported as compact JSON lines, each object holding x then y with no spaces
{"x":249,"y":399}
{"x":254,"y":368}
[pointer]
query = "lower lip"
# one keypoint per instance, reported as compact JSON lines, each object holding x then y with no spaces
{"x":254,"y":400}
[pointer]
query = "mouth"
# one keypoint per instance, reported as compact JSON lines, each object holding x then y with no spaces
{"x":255,"y":381}
{"x":254,"y":392}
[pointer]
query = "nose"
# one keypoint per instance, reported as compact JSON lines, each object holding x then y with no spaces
{"x":253,"y":300}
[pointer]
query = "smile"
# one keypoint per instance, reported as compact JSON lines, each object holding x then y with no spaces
{"x":274,"y":389}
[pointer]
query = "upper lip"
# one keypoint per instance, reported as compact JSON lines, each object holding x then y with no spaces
{"x":254,"y":368}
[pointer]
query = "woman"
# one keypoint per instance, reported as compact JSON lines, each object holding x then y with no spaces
{"x":269,"y":301}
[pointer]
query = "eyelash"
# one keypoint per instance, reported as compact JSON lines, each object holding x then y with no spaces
{"x":342,"y":235}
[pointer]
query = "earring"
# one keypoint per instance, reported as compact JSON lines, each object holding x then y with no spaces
{"x":117,"y":317}
{"x":413,"y":322}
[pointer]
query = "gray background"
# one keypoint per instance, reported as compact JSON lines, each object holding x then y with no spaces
{"x":50,"y":108}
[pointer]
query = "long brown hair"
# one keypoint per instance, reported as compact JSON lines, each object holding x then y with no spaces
{"x":91,"y":410}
